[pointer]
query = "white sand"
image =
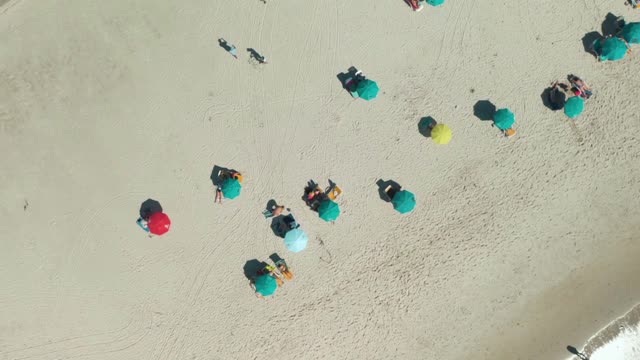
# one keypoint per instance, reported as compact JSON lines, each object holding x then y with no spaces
{"x":517,"y":247}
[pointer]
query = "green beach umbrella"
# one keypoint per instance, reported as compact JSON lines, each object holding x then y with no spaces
{"x":574,"y":107}
{"x":329,"y":210}
{"x":231,"y":188}
{"x":504,"y":119}
{"x":631,"y":33}
{"x":266,"y":285}
{"x":404,"y":201}
{"x":435,"y":2}
{"x":367,"y":89}
{"x":613,"y":49}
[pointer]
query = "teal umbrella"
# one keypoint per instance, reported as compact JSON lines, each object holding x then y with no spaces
{"x":404,"y":201}
{"x":574,"y":107}
{"x":367,"y":89}
{"x":611,"y":49}
{"x":296,"y":240}
{"x":329,"y":210}
{"x":266,"y":285}
{"x":435,"y":2}
{"x":631,"y":33}
{"x":231,"y":188}
{"x":504,"y":119}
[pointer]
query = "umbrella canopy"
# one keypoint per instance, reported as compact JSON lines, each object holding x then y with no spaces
{"x":435,"y":2}
{"x":158,"y":223}
{"x":631,"y":33}
{"x":231,"y":188}
{"x":441,"y":134}
{"x":404,"y":201}
{"x":296,"y":240}
{"x":329,"y":210}
{"x":574,"y":107}
{"x":266,"y":285}
{"x":612,"y":49}
{"x":504,"y":119}
{"x":367,"y":89}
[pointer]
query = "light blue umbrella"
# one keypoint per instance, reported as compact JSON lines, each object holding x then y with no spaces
{"x":296,"y":240}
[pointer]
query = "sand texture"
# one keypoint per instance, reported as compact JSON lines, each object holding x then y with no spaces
{"x":517,"y":247}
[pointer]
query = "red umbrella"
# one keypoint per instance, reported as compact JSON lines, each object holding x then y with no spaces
{"x":159,"y":223}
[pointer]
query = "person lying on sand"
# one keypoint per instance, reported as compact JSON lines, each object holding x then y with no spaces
{"x":579,"y":87}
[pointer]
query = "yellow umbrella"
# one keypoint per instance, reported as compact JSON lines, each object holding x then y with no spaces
{"x":441,"y":134}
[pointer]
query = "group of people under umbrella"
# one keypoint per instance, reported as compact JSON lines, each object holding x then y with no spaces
{"x":612,"y":48}
{"x":616,"y":47}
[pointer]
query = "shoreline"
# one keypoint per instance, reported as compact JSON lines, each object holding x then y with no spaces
{"x":620,"y":339}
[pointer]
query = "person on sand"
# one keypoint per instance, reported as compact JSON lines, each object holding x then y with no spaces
{"x":416,"y":5}
{"x":579,"y":87}
{"x":219,"y":195}
{"x":230,"y":48}
{"x":277,"y":210}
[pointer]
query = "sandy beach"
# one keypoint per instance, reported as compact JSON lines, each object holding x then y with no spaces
{"x":516,"y":249}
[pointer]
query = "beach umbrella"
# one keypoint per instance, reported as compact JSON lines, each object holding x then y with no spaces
{"x":613,"y":49}
{"x":367,"y":89}
{"x":435,"y":2}
{"x":404,"y":201}
{"x":441,"y":134}
{"x":574,"y":107}
{"x":504,"y":119}
{"x":329,"y":210}
{"x":296,"y":240}
{"x":266,"y":285}
{"x":631,"y":33}
{"x":158,"y":223}
{"x":231,"y":188}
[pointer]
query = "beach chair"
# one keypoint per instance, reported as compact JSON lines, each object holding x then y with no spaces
{"x":390,"y":191}
{"x":273,"y":271}
{"x":510,"y":132}
{"x":285,"y":271}
{"x":334,"y":193}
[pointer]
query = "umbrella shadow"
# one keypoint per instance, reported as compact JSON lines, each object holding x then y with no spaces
{"x":275,"y":258}
{"x":383,"y":185}
{"x":588,"y":39}
{"x":344,"y":76}
{"x":218,"y":174}
{"x":277,"y":224}
{"x":484,"y":110}
{"x":610,"y":25}
{"x":554,"y":100}
{"x":149,"y":207}
{"x":577,"y":353}
{"x":312,"y":204}
{"x":252,"y":267}
{"x":271,"y":204}
{"x":425,"y":124}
